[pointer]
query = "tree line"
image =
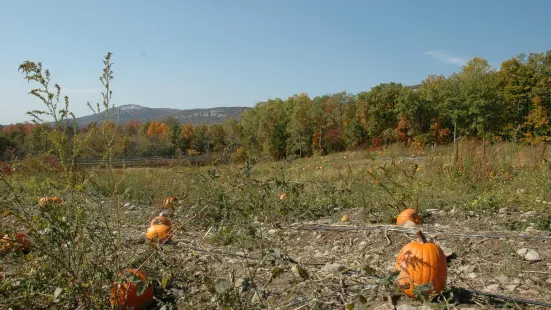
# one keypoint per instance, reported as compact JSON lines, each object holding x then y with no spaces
{"x":509,"y":104}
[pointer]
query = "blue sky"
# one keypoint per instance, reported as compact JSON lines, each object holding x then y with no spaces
{"x":192,"y":54}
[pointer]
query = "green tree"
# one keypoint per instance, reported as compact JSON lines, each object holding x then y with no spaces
{"x":300,"y":129}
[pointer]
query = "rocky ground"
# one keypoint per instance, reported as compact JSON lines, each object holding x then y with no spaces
{"x":495,"y":259}
{"x":305,"y":266}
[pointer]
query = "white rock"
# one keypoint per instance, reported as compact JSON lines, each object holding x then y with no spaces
{"x":501,"y":279}
{"x":272,"y":231}
{"x":472,"y":275}
{"x":382,"y":307}
{"x":493,"y":287}
{"x":447,"y":251}
{"x":528,"y":292}
{"x":532,"y":256}
{"x":510,"y":287}
{"x":467,"y":268}
{"x":333,"y":267}
{"x":409,"y":224}
{"x":406,"y":307}
{"x":528,"y":214}
{"x":503,"y":210}
{"x":522,"y":251}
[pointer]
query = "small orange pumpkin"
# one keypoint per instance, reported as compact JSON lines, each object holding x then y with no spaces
{"x":421,"y":263}
{"x":125,"y":295}
{"x":19,"y":243}
{"x":408,"y":215}
{"x":169,"y":202}
{"x":159,"y":232}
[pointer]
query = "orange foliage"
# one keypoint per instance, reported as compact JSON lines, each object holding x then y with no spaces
{"x":157,"y":129}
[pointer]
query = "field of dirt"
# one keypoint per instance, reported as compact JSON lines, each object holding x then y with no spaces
{"x":349,"y":265}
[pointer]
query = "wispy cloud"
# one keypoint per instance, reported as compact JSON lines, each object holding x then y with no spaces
{"x":447,"y":57}
{"x":80,"y":90}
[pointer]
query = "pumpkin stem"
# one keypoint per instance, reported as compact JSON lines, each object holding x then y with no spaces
{"x":421,"y":238}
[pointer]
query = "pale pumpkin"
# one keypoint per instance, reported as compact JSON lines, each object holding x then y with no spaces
{"x":408,"y":215}
{"x":159,"y":232}
{"x":421,"y":264}
{"x":125,"y":295}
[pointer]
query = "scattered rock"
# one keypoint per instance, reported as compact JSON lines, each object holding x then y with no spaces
{"x":333,"y":267}
{"x":528,"y":214}
{"x":504,"y":210}
{"x":532,"y":256}
{"x":383,"y":307}
{"x":272,"y":231}
{"x":501,"y":279}
{"x":510,"y":287}
{"x":447,"y":251}
{"x":530,"y":229}
{"x":472,"y":275}
{"x":515,"y":281}
{"x":406,"y":307}
{"x":493,"y":287}
{"x":467,"y":268}
{"x":529,"y":282}
{"x":424,"y":308}
{"x":409,"y":224}
{"x":529,"y":254}
{"x":528,"y":292}
{"x":242,"y":284}
{"x":548,"y":281}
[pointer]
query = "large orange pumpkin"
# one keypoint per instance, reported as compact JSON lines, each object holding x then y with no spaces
{"x":421,"y":264}
{"x":169,"y":202}
{"x":161,"y":220}
{"x":19,"y":243}
{"x":159,"y":232}
{"x":408,"y":215}
{"x":125,"y":295}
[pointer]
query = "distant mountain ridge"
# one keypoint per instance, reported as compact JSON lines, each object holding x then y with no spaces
{"x":193,"y":116}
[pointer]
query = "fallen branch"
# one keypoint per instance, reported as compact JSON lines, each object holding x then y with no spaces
{"x":413,"y":230}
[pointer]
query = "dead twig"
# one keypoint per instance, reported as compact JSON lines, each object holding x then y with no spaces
{"x":387,"y":238}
